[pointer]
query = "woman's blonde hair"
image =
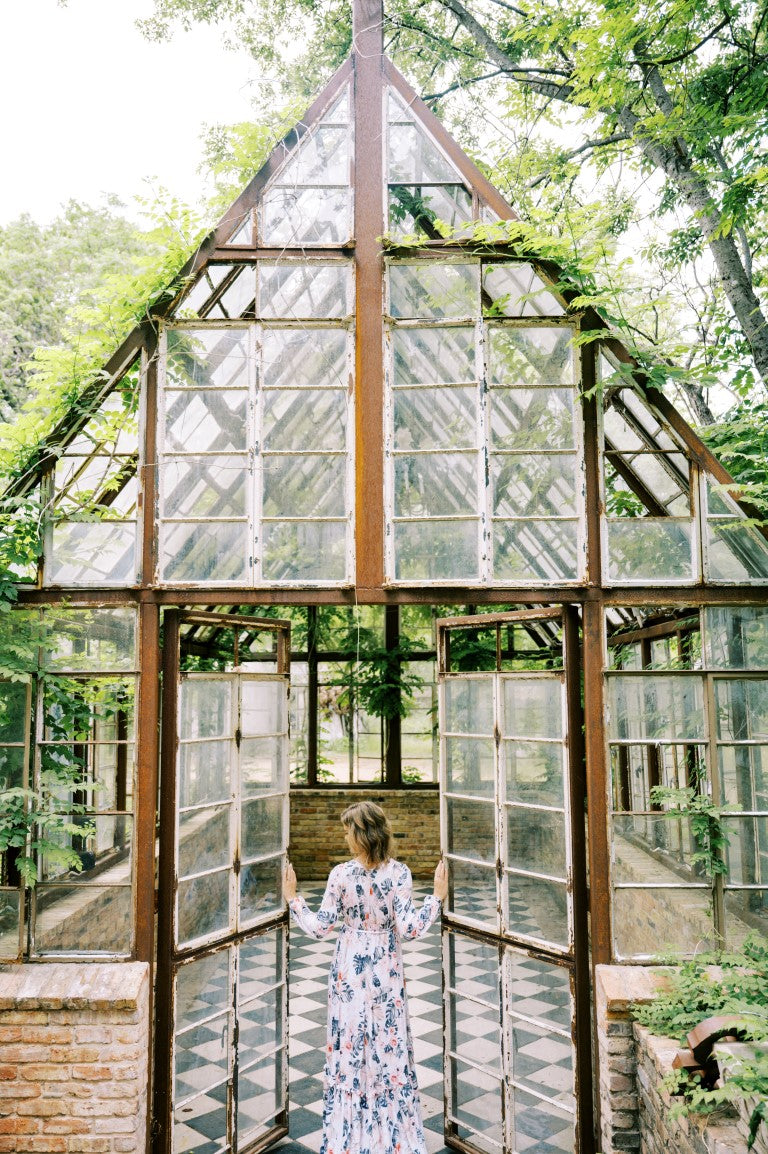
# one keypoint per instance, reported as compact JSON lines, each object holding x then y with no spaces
{"x":370,"y":829}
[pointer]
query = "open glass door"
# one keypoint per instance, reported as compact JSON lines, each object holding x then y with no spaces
{"x":221,"y":1035}
{"x":517,"y":1034}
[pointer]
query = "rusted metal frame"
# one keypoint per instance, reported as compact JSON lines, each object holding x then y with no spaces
{"x":597,"y":786}
{"x":163,"y":1036}
{"x":513,"y":615}
{"x":587,"y":1127}
{"x":234,"y":619}
{"x":662,"y":630}
{"x":638,"y":487}
{"x":369,"y":292}
{"x":391,"y":725}
{"x":263,"y":252}
{"x":471,"y":173}
{"x":691,"y":595}
{"x":148,"y":463}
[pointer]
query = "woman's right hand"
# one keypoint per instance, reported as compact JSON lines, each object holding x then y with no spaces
{"x":441,"y":881}
{"x":289,"y":882}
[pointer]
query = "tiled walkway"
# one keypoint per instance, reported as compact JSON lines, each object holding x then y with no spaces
{"x":310,"y":961}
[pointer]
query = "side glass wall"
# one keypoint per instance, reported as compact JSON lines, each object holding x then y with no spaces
{"x":687,"y":706}
{"x":67,"y":728}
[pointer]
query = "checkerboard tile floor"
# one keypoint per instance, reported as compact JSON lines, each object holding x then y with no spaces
{"x":309,"y":964}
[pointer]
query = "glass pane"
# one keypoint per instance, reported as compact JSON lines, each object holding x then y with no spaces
{"x":437,"y":290}
{"x":82,"y":709}
{"x":532,"y":419}
{"x":432,"y":210}
{"x":202,"y":988}
{"x":436,"y":418}
{"x":656,"y":707}
{"x":304,"y":290}
{"x":196,"y":298}
{"x":304,"y":485}
{"x":204,"y":552}
{"x":238,"y":298}
{"x":535,"y":550}
{"x":516,"y":291}
{"x":744,"y":776}
{"x":206,"y":487}
{"x":473,"y":968}
{"x":90,"y":639}
{"x":543,"y":1062}
{"x":207,"y":358}
{"x":92,"y":553}
{"x":468,"y":705}
{"x":652,"y":847}
{"x":471,"y":829}
{"x":476,"y":1100}
{"x":649,"y":550}
{"x":83,"y":919}
{"x":542,"y":1124}
{"x":735,"y":552}
{"x":10,"y":904}
{"x":200,"y":1125}
{"x":304,"y":419}
{"x":436,"y":550}
{"x":105,"y":853}
{"x":320,"y":158}
{"x":201,"y":1056}
{"x":473,"y":892}
{"x":12,"y":765}
{"x":414,"y":159}
{"x":533,"y":707}
{"x":206,"y":708}
{"x":203,"y":906}
{"x":306,"y":216}
{"x":261,"y":889}
{"x":535,"y":772}
{"x":742,"y":709}
{"x":746,"y":911}
{"x":746,"y":855}
{"x":537,"y":909}
{"x":261,"y":964}
{"x":259,"y":1096}
{"x":536,"y":840}
{"x":652,"y":922}
{"x":13,"y":712}
{"x":539,"y":989}
{"x":436,"y":485}
{"x":204,"y":839}
{"x":736,"y":637}
{"x":299,"y":358}
{"x":527,"y":486}
{"x":338,"y":113}
{"x":434,"y":356}
{"x":209,"y":421}
{"x":474,"y":1033}
{"x":261,"y":828}
{"x":469,"y":766}
{"x":531,"y":356}
{"x":262,"y":707}
{"x":204,"y":772}
{"x":305,"y":551}
{"x":636,"y":768}
{"x":261,"y":1024}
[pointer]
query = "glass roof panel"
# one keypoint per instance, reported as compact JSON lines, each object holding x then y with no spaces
{"x":514,"y":290}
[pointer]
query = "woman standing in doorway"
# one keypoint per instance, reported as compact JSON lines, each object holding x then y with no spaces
{"x":371,"y":1100}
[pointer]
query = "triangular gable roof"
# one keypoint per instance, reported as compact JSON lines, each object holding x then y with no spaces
{"x":222,"y":243}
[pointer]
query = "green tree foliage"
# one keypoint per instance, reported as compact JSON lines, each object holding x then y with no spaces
{"x":47,"y":272}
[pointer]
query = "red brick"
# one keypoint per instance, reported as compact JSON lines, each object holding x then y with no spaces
{"x":19,"y":1126}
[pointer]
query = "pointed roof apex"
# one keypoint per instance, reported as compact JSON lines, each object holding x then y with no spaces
{"x":368,"y":28}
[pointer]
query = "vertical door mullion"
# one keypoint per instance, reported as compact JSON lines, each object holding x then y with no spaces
{"x":235,"y":808}
{"x":502,"y":879}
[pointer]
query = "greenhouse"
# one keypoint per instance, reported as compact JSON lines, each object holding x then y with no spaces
{"x":367,"y":503}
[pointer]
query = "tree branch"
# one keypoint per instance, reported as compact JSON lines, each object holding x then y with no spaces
{"x":682,"y":55}
{"x":615,"y":138}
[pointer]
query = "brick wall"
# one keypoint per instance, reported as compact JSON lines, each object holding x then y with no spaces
{"x":317,"y":836}
{"x":73,"y":1058}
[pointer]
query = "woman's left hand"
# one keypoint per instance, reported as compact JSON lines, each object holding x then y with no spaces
{"x":289,"y":882}
{"x":441,"y":881}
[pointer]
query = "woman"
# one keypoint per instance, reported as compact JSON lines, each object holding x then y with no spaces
{"x":371,"y":1100}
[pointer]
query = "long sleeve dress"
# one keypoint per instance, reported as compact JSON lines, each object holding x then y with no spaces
{"x":371,"y":1099}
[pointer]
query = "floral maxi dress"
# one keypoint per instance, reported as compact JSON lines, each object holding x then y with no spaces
{"x":371,"y":1099}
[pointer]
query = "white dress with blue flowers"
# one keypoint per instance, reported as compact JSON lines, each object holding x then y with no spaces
{"x":371,"y":1099}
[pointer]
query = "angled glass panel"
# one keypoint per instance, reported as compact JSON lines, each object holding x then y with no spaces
{"x":321,"y":157}
{"x":205,"y":487}
{"x":431,"y":356}
{"x":433,"y":210}
{"x":436,"y":418}
{"x":531,"y":356}
{"x":436,"y":290}
{"x":338,"y":113}
{"x":238,"y":299}
{"x":535,"y":550}
{"x":303,"y":485}
{"x":308,"y":290}
{"x":527,"y":486}
{"x":436,"y":550}
{"x":207,"y":358}
{"x":514,"y":290}
{"x":304,"y":551}
{"x":304,"y":358}
{"x":194,"y":303}
{"x":735,"y":552}
{"x":415,"y":159}
{"x":306,"y":216}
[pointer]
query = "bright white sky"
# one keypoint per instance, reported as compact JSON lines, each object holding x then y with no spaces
{"x":90,"y":106}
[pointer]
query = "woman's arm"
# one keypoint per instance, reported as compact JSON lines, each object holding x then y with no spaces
{"x":317,"y":925}
{"x":410,"y":922}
